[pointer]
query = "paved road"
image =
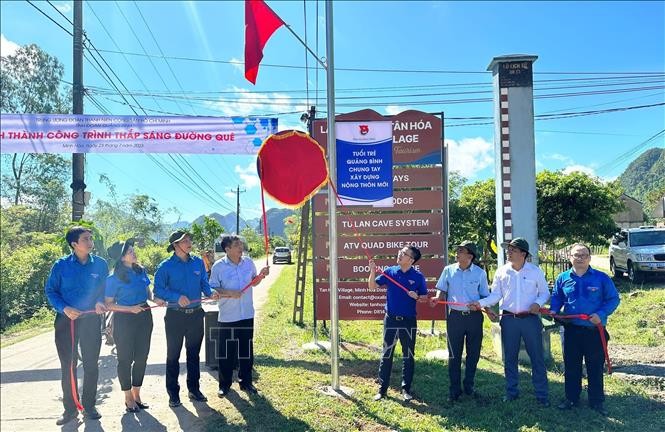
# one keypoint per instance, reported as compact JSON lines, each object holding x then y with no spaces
{"x":31,"y":398}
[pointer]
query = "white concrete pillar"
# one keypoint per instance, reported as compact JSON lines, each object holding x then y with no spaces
{"x":514,"y":149}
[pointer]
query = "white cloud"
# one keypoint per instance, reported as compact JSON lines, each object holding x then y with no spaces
{"x":558,"y":157}
{"x":580,"y":168}
{"x":229,"y":194}
{"x":248,"y":175}
{"x":7,"y":47}
{"x":64,"y":7}
{"x":470,"y":155}
{"x":394,"y":109}
{"x":242,"y":102}
{"x":238,"y":64}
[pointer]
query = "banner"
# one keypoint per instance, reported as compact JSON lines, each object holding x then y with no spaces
{"x":64,"y":133}
{"x":365,"y":163}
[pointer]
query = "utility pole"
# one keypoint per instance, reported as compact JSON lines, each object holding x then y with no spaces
{"x":238,"y":192}
{"x":78,"y":159}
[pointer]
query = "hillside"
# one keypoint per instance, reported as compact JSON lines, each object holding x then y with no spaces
{"x":275,"y":221}
{"x":644,"y":175}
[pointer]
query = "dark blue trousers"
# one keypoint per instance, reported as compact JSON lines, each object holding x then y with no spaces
{"x":583,"y":343}
{"x":404,"y":329}
{"x":529,"y":329}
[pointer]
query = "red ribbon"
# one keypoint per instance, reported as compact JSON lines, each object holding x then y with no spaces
{"x":72,"y":378}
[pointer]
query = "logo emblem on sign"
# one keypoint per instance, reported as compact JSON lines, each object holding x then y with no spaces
{"x":364,"y":129}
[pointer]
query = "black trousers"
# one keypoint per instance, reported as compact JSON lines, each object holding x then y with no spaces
{"x":132,"y":333}
{"x":579,"y":343}
{"x":405,"y":330}
{"x":463,"y":328}
{"x":181,"y":326}
{"x":87,"y":335}
{"x":235,"y":346}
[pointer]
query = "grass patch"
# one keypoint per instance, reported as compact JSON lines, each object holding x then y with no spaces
{"x":39,"y":323}
{"x":289,"y":378}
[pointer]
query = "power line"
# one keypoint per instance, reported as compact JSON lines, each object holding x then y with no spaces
{"x":50,"y":18}
{"x":126,"y":59}
{"x":175,"y":77}
{"x":131,"y":28}
{"x":628,"y":155}
{"x":382,"y":70}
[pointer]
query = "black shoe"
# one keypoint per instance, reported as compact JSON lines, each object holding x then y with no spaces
{"x":406,"y":395}
{"x":249,"y":388}
{"x":222,"y":392}
{"x":567,"y":404}
{"x":66,"y":417}
{"x":91,"y":414}
{"x":133,"y":409}
{"x":197,"y":396}
{"x":472,"y":393}
{"x":173,"y":403}
{"x":379,"y":396}
{"x":454,"y":397}
{"x":600,"y":409}
{"x":545,"y":403}
{"x":142,"y":405}
{"x":508,"y":398}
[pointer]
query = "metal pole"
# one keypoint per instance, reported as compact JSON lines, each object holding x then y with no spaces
{"x":78,"y":159}
{"x":310,"y":129}
{"x":238,"y":210}
{"x":446,"y":194}
{"x":332,"y":205}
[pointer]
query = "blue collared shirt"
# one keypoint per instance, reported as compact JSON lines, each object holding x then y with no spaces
{"x":398,"y":302}
{"x":234,"y":277}
{"x":76,"y":285}
{"x":130,"y":293}
{"x":463,"y":286}
{"x":175,"y":277}
{"x":593,"y":292}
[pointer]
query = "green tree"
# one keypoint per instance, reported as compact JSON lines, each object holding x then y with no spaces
{"x":31,"y":83}
{"x":136,"y":215}
{"x":254,"y":241}
{"x":204,"y":235}
{"x":575,"y":207}
{"x":475,"y":218}
{"x":23,"y":273}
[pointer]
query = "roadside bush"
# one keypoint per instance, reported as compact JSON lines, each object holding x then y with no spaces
{"x":23,"y":273}
{"x":150,"y":256}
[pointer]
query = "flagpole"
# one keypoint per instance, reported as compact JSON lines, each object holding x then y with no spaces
{"x":288,"y":27}
{"x":332,"y":205}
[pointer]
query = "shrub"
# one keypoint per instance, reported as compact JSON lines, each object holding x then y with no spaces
{"x":23,"y":273}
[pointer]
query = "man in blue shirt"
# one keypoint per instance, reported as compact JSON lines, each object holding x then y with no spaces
{"x":463,"y":282}
{"x":400,"y":319}
{"x":75,"y":289}
{"x":584,"y":290}
{"x":180,"y":280}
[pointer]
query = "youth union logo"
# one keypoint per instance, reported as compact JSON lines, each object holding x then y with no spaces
{"x":364,"y":129}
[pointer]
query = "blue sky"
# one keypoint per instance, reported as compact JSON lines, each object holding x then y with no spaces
{"x":449,"y":45}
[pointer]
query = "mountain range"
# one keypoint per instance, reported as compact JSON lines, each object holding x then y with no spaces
{"x":275,"y":218}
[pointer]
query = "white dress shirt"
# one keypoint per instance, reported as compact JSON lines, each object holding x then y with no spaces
{"x":229,"y":276}
{"x":517,"y":290}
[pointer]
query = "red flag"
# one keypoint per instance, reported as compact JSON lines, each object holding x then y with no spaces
{"x":260,"y":23}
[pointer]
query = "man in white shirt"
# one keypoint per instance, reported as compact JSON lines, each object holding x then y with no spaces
{"x":521,"y":289}
{"x":462,"y":283}
{"x":235,"y":346}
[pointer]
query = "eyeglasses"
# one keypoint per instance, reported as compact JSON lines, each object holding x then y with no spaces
{"x":580,"y":256}
{"x":404,"y":253}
